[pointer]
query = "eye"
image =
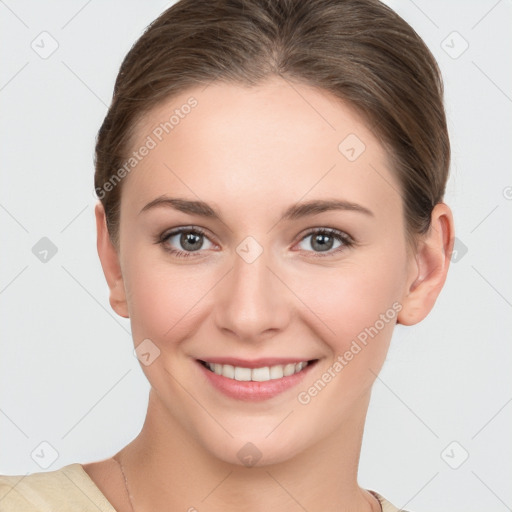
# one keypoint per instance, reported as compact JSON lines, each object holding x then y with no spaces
{"x":191,"y":239}
{"x":322,"y":240}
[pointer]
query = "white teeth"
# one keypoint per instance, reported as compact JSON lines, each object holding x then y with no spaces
{"x":260,"y":374}
{"x":289,"y":369}
{"x":242,"y":373}
{"x":225,"y":369}
{"x":276,"y":372}
{"x":256,"y":374}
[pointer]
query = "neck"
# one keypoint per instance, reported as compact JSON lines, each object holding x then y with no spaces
{"x":167,"y":469}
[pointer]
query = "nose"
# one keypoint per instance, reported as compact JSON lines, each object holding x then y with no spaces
{"x":252,"y":303}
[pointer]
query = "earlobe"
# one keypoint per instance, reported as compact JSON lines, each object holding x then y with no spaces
{"x":432,"y":262}
{"x":109,"y":259}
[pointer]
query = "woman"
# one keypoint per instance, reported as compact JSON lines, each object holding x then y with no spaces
{"x":271,"y":177}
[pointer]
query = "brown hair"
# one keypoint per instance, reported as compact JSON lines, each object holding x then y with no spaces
{"x":359,"y":50}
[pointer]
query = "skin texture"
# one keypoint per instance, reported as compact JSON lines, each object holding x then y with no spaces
{"x":251,"y":153}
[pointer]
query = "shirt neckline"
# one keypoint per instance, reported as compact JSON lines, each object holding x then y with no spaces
{"x":384,"y":504}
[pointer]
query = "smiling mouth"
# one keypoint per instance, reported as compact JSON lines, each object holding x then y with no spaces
{"x":262,"y":374}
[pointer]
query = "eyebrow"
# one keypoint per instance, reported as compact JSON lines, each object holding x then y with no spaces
{"x":295,"y":211}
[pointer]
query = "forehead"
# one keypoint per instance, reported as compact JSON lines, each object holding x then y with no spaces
{"x":279,"y":141}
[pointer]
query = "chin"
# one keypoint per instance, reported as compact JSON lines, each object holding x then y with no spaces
{"x":254,"y":449}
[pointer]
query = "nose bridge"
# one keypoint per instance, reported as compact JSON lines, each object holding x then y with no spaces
{"x":252,"y":301}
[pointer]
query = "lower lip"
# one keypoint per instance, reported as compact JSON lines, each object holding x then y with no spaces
{"x":252,"y":391}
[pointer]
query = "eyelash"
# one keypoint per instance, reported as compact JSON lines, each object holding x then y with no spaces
{"x":342,"y":237}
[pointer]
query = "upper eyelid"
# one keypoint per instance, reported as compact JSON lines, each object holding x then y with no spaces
{"x":339,"y":232}
{"x":184,"y":229}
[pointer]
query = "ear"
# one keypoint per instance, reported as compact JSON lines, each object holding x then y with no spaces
{"x":109,"y":258}
{"x":432,"y":259}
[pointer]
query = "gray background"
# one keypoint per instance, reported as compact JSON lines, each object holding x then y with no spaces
{"x":68,"y":376}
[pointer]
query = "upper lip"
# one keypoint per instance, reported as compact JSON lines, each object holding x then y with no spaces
{"x":254,"y":363}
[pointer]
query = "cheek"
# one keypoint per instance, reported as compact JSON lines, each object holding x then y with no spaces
{"x":358,"y":307}
{"x":163,"y":299}
{"x":357,"y":301}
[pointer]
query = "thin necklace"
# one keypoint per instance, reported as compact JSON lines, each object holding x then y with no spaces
{"x":130,"y":496}
{"x":125,"y":484}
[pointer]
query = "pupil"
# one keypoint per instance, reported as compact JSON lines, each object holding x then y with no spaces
{"x":188,"y":240}
{"x":323,"y":245}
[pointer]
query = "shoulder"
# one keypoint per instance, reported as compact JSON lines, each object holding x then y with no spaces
{"x":385,"y":504}
{"x":66,"y":489}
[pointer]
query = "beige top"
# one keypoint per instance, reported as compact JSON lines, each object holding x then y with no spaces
{"x":69,"y":489}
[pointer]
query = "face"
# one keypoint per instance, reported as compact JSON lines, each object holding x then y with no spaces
{"x":266,"y":229}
